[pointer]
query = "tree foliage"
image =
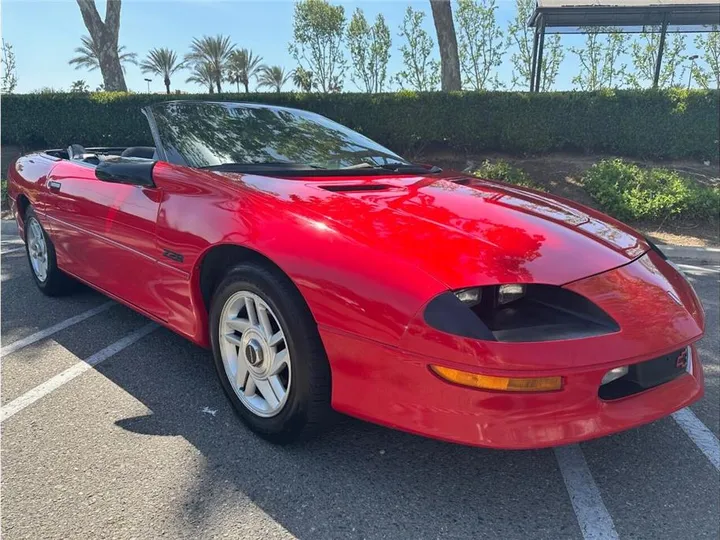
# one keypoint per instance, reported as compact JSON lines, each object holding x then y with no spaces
{"x":9,"y":69}
{"x":211,"y":53}
{"x":709,"y":47}
{"x":241,"y":67}
{"x":79,"y":87}
{"x":317,"y":46}
{"x":303,"y":79}
{"x":104,"y":39}
{"x":204,"y":75}
{"x":88,"y":56}
{"x":162,"y":62}
{"x":520,"y":35}
{"x":273,"y":77}
{"x":420,"y":71}
{"x":482,"y":43}
{"x":369,"y":51}
{"x":599,"y":59}
{"x":644,"y":52}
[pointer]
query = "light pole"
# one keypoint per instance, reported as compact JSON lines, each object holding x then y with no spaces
{"x":692,"y":65}
{"x":150,"y":80}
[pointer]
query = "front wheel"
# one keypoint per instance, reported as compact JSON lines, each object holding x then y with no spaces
{"x":41,"y":255}
{"x":268,"y":354}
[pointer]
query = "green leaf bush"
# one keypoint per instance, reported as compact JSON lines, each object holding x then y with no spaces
{"x":631,"y":192}
{"x":502,"y":171}
{"x":646,"y":124}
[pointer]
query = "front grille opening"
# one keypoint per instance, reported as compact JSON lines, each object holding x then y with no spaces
{"x":646,"y":375}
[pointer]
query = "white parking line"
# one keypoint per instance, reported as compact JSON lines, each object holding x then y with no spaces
{"x":703,"y":438}
{"x":592,"y":516}
{"x":42,"y":334}
{"x":712,"y":269}
{"x":42,"y":390}
{"x":13,"y":250}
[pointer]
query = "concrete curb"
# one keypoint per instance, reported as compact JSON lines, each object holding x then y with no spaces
{"x":697,"y":254}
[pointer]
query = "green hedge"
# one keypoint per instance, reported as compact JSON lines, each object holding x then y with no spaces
{"x":666,"y":124}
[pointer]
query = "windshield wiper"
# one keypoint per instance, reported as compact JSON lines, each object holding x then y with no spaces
{"x":285,"y":165}
{"x":396,"y":167}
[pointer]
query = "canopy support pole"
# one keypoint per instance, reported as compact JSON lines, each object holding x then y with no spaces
{"x":538,"y":67}
{"x":661,"y":49}
{"x":534,"y":58}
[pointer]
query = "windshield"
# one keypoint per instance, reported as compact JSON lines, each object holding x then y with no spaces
{"x":212,"y":134}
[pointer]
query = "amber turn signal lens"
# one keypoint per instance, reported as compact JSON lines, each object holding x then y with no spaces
{"x":506,"y":384}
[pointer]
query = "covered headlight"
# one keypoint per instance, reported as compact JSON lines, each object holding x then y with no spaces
{"x":504,"y":294}
{"x":469,"y":297}
{"x":518,"y":313}
{"x":509,"y":293}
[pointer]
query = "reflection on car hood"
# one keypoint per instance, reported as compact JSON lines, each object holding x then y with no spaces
{"x":465,"y":231}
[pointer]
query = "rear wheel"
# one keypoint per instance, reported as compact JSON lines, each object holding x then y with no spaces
{"x":41,"y":255}
{"x":268,"y":354}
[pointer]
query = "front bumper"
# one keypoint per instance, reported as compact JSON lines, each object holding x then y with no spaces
{"x":657,"y":312}
{"x":396,"y":389}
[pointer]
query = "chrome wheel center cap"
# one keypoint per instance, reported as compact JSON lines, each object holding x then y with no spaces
{"x":254,"y":353}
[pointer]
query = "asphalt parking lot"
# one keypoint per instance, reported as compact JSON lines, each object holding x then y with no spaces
{"x":115,"y":428}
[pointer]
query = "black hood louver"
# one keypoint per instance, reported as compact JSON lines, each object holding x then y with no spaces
{"x":355,"y":187}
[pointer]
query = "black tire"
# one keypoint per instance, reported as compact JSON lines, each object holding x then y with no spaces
{"x":56,"y":282}
{"x":307,"y":408}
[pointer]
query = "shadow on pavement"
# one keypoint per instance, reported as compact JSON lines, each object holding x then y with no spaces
{"x":356,"y":480}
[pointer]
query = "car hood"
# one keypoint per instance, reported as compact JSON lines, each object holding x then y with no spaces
{"x":462,"y":230}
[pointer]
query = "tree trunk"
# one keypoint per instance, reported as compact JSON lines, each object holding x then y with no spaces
{"x":105,"y":38}
{"x":247,"y":88}
{"x":447,"y":42}
{"x":167,"y":85}
{"x":237,"y":81}
{"x":217,"y":82}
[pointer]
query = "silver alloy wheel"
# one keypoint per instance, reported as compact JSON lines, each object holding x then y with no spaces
{"x":37,"y":248}
{"x":255,"y":353}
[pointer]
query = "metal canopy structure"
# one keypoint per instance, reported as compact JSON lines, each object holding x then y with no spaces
{"x":583,"y":16}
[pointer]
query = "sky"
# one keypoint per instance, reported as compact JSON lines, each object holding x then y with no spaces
{"x":44,"y":33}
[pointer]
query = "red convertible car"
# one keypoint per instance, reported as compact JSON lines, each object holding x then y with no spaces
{"x":327,"y":272}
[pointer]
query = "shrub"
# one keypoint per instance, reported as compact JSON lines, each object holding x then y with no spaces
{"x":651,"y":124}
{"x":630,"y":192}
{"x":504,"y":172}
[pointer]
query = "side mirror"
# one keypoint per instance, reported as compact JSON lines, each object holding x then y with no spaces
{"x":133,"y":171}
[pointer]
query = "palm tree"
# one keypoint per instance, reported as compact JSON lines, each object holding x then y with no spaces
{"x":162,"y":62}
{"x":241,"y":66}
{"x":213,"y":52}
{"x":303,"y":79}
{"x":87,"y":56}
{"x":272,"y":77}
{"x":203,"y":75}
{"x":79,"y":87}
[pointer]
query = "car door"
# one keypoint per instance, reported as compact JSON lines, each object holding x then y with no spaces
{"x":104,"y":233}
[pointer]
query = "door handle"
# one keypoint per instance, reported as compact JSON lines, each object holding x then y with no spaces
{"x":54,"y":186}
